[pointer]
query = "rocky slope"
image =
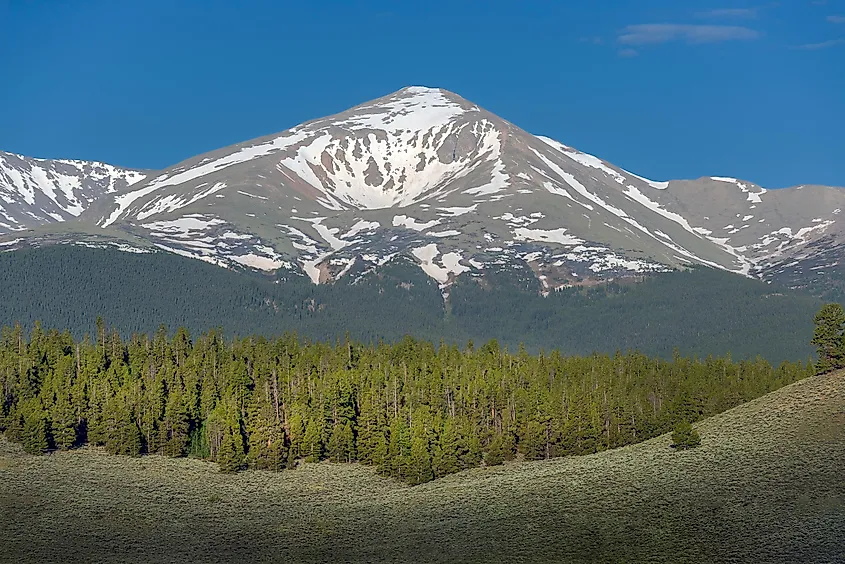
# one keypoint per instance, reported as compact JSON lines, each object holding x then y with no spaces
{"x":423,"y":173}
{"x":35,"y":192}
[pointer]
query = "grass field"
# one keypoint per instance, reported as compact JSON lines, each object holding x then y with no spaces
{"x":766,"y":485}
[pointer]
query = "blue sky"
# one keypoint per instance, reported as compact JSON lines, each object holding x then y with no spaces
{"x":663,"y":88}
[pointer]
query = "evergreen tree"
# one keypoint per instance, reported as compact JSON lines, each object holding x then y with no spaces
{"x":36,"y":433}
{"x":828,"y":337}
{"x":534,"y":444}
{"x":312,"y":441}
{"x":296,"y":430}
{"x":341,"y":447}
{"x":267,"y":450}
{"x":685,"y":437}
{"x":447,"y":457}
{"x":397,"y":460}
{"x":199,"y":446}
{"x":122,"y":433}
{"x":419,"y":467}
{"x":380,"y":450}
{"x":370,"y":433}
{"x":473,"y":453}
{"x":231,"y":455}
{"x":14,"y":427}
{"x":500,"y":449}
{"x":64,"y":424}
{"x":174,"y":433}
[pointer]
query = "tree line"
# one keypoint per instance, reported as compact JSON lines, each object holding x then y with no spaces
{"x":415,"y":410}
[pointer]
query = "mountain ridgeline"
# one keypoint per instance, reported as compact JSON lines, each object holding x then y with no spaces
{"x":414,"y":410}
{"x":425,"y":176}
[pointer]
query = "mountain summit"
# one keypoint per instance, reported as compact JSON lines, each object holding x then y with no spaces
{"x":426,"y":175}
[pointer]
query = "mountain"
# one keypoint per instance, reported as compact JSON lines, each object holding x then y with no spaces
{"x":426,"y":175}
{"x":35,"y":192}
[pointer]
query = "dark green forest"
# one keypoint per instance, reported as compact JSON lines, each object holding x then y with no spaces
{"x":698,"y":312}
{"x":415,"y":410}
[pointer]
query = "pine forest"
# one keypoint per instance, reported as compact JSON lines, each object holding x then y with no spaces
{"x":415,"y":410}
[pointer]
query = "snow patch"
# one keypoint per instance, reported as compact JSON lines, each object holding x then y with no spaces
{"x":447,"y":233}
{"x":450,"y":263}
{"x":546,"y":236}
{"x":456,"y":211}
{"x":411,"y":223}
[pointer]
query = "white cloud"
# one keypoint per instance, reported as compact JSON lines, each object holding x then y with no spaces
{"x":822,"y":45}
{"x":836,"y":19}
{"x":644,"y":34}
{"x":628,"y":53}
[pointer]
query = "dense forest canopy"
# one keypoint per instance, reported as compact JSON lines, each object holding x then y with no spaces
{"x":415,"y":410}
{"x":699,"y":312}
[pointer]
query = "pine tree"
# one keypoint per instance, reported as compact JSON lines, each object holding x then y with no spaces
{"x":370,"y":434}
{"x":398,"y":449}
{"x":473,"y":453}
{"x":828,"y":337}
{"x":296,"y":432}
{"x":533,"y":443}
{"x":36,"y":433}
{"x":122,"y":433}
{"x":447,"y":457}
{"x":199,"y":446}
{"x":341,"y":447}
{"x":64,"y":424}
{"x":231,"y":455}
{"x":312,"y":441}
{"x":685,"y":437}
{"x":14,"y":427}
{"x":419,"y":467}
{"x":267,"y":450}
{"x":379,"y":453}
{"x":500,"y":449}
{"x":174,"y":433}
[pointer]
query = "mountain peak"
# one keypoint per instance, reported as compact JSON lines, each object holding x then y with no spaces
{"x":413,"y":108}
{"x":424,"y":174}
{"x":421,"y":90}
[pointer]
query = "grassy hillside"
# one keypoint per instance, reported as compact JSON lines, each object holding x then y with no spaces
{"x":765,"y":486}
{"x":699,"y":312}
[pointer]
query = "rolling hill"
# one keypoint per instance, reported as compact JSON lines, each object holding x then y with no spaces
{"x":764,"y":486}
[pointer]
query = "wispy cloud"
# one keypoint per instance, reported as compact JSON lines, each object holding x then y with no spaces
{"x":663,"y":33}
{"x":729,"y":13}
{"x":628,"y":53}
{"x":836,"y":19}
{"x":594,"y":39}
{"x":822,"y":45}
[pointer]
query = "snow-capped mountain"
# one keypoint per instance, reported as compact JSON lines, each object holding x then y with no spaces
{"x":425,"y":174}
{"x":38,"y":191}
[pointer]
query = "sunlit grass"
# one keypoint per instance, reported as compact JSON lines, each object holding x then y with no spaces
{"x":766,"y":485}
